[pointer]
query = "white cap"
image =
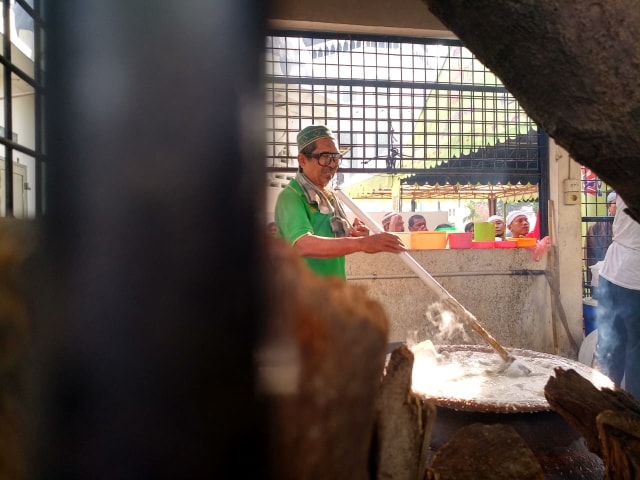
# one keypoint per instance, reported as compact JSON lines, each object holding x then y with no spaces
{"x":612,"y":197}
{"x":387,"y":217}
{"x":512,"y":216}
{"x":493,"y":218}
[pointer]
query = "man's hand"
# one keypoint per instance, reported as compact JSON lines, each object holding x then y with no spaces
{"x":359,"y":229}
{"x":383,"y":242}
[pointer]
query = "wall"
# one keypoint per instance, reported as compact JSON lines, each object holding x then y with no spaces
{"x":566,"y":234}
{"x":504,"y":289}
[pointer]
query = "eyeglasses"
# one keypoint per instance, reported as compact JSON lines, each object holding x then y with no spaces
{"x":325,"y":158}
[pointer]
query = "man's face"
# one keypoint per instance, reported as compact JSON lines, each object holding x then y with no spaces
{"x":419,"y":225}
{"x":499,"y":227}
{"x":519,"y":226}
{"x":318,"y":175}
{"x":612,"y":209}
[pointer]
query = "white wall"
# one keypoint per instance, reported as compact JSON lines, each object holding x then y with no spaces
{"x":566,"y":234}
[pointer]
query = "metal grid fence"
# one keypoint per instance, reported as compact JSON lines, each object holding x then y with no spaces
{"x":397,"y":104}
{"x":597,"y":224}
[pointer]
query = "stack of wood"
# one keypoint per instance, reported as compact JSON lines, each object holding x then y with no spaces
{"x":609,"y":420}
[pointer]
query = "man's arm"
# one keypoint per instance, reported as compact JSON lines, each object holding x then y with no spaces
{"x":325,"y":247}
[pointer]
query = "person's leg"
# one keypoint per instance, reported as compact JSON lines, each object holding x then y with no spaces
{"x":631,"y":316}
{"x":610,"y":351}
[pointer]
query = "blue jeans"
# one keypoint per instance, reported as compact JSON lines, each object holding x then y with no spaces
{"x":618,"y":323}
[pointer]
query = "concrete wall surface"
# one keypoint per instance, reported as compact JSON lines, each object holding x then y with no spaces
{"x":504,"y":289}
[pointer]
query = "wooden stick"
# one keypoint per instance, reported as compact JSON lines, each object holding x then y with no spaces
{"x":551,"y":267}
{"x":557,"y":310}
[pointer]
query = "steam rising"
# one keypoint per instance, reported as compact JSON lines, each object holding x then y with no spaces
{"x":444,"y":326}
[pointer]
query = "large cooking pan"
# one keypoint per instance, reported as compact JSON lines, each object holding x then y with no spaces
{"x":559,"y":447}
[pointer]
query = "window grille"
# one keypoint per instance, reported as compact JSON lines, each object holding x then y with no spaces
{"x":22,"y":91}
{"x":398,"y":105}
{"x":596,"y":225}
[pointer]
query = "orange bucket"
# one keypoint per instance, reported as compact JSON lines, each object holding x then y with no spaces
{"x":429,"y":240}
{"x":524,"y":242}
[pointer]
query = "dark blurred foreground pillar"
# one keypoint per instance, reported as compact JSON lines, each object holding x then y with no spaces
{"x":153,"y":298}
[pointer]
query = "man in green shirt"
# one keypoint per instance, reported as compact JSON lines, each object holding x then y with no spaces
{"x":310,"y":217}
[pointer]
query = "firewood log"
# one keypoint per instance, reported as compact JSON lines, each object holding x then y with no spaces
{"x":404,"y":422}
{"x":580,"y":402}
{"x":329,"y":340}
{"x":491,"y":452}
{"x":620,"y":436}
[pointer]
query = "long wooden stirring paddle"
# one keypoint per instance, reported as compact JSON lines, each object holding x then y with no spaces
{"x":445,"y":296}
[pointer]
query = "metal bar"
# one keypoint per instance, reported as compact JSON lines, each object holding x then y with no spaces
{"x":397,"y":276}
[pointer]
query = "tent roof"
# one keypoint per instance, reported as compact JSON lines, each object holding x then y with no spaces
{"x":379,"y":187}
{"x":509,"y":170}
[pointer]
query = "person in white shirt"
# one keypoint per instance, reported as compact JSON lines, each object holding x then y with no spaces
{"x":599,"y":236}
{"x":618,"y":310}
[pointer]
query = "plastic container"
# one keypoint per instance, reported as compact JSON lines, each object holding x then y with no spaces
{"x":476,"y":244}
{"x":428,"y":240}
{"x":505,"y":244}
{"x":445,"y":229}
{"x":589,"y":306}
{"x":460,"y":239}
{"x":484,"y":231}
{"x":405,"y":237}
{"x":524,"y":242}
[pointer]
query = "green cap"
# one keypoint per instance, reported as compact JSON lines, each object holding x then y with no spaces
{"x":312,"y":133}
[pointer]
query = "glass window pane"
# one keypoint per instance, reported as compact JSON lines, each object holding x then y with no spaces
{"x":22,"y":38}
{"x":24,"y":191}
{"x":23,"y":110}
{"x":2,"y":97}
{"x":3,"y":205}
{"x":23,"y":170}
